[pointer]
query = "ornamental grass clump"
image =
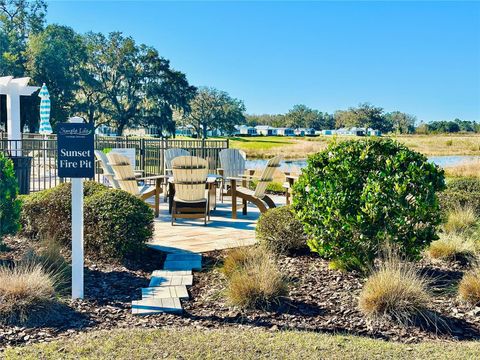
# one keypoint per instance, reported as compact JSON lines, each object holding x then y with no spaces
{"x":452,"y":246}
{"x":24,"y":290}
{"x":254,"y":279}
{"x":395,"y":291}
{"x":460,"y":219}
{"x":357,"y":195}
{"x":469,"y":287}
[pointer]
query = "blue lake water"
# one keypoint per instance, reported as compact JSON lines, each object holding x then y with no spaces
{"x":295,"y":165}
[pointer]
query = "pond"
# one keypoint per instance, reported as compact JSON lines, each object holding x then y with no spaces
{"x":295,"y":165}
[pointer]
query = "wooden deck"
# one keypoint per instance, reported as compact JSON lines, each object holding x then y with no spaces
{"x":222,"y":232}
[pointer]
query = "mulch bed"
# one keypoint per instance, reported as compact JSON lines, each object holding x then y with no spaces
{"x":319,"y":300}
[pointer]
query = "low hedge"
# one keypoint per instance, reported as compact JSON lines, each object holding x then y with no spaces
{"x":9,"y":204}
{"x":463,"y":192}
{"x":115,"y":225}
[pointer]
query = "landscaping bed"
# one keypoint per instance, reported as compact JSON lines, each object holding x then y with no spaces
{"x":319,"y":299}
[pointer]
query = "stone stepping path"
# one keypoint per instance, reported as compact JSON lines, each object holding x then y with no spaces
{"x":169,"y":285}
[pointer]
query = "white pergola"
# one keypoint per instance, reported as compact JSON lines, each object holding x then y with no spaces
{"x":13,"y":89}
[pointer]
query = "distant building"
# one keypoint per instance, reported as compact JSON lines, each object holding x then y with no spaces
{"x":245,"y":130}
{"x":305,"y":132}
{"x":266,"y":130}
{"x":285,"y":132}
{"x":354,"y":131}
{"x":187,"y":130}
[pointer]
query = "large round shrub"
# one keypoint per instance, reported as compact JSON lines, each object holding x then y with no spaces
{"x":117,"y":224}
{"x":359,"y":194}
{"x":47,"y":214}
{"x":9,"y":204}
{"x":280,"y":232}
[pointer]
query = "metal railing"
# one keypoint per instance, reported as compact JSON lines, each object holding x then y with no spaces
{"x":149,"y":156}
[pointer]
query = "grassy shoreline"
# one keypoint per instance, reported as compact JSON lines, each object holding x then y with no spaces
{"x":236,"y":344}
{"x":300,"y":148}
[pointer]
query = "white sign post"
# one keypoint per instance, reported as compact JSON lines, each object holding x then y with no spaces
{"x":75,"y":160}
{"x":77,"y":238}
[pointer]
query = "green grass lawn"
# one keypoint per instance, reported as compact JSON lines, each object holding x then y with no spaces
{"x":260,"y":142}
{"x":237,"y":344}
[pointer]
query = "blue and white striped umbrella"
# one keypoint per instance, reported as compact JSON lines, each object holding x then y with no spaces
{"x":45,"y":127}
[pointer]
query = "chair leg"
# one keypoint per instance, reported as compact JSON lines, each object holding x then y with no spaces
{"x":174,"y":209}
{"x":245,"y":205}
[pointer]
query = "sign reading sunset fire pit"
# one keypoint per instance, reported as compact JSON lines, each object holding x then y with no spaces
{"x":75,"y":150}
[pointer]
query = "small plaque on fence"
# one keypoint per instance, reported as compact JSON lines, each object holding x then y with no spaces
{"x":75,"y":150}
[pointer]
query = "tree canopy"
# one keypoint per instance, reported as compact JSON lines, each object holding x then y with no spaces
{"x":213,"y":109}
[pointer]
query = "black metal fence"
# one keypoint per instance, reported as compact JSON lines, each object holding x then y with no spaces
{"x":149,"y":154}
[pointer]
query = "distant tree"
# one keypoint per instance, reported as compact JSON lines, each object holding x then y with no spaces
{"x":443,"y":127}
{"x":303,"y":116}
{"x":402,"y":123}
{"x":213,"y":109}
{"x":54,"y":57}
{"x":365,"y":115}
{"x":171,"y":92}
{"x":19,"y":19}
{"x":128,"y":85}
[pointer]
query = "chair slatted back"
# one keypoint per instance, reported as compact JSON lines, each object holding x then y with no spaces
{"x":267,"y":176}
{"x":106,"y":168}
{"x":232,"y":162}
{"x":124,"y":174}
{"x":190,"y":177}
{"x":171,"y":154}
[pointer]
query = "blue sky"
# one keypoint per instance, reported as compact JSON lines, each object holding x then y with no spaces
{"x":418,"y":57}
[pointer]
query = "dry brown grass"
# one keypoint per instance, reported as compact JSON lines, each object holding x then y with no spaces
{"x":395,"y":291}
{"x":24,"y":289}
{"x":466,"y":169}
{"x":469,"y":287}
{"x":452,"y":247}
{"x":237,"y":259}
{"x":254,"y":280}
{"x":460,"y":219}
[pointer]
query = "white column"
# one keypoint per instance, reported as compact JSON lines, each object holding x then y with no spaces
{"x":77,"y":238}
{"x":13,"y":120}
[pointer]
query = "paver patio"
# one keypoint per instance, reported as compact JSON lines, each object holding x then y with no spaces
{"x":222,"y":232}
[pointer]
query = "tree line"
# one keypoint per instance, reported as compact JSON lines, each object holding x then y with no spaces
{"x":107,"y":79}
{"x":365,"y":116}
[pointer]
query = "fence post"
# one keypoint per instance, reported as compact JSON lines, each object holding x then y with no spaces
{"x":142,"y":156}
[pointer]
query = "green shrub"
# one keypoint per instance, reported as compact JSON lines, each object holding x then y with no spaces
{"x":461,"y":193}
{"x":9,"y":204}
{"x":280,"y":232}
{"x":117,"y":224}
{"x":47,"y":214}
{"x":357,"y":195}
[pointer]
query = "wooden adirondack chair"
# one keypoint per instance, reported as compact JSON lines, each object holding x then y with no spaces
{"x":128,"y":182}
{"x":106,"y":168}
{"x":171,"y":154}
{"x":233,"y":164}
{"x":168,"y":156}
{"x":190,"y":179}
{"x":257,"y":196}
